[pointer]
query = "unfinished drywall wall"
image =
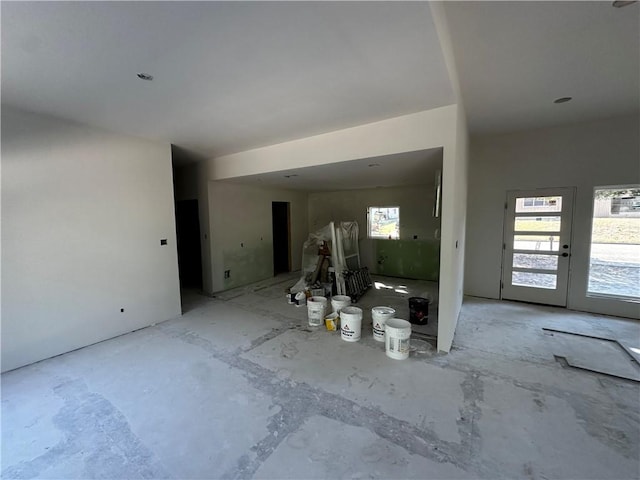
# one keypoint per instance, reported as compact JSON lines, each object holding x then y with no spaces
{"x":83,"y":215}
{"x":415,"y":255}
{"x":441,"y":127}
{"x":586,"y":155}
{"x":241,"y":232}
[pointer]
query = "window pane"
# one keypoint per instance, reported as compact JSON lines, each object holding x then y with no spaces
{"x":532,"y":260}
{"x":538,"y":204}
{"x":384,"y":222}
{"x":544,"y":243}
{"x":537,"y":224}
{"x":614,"y":267}
{"x":536,"y":280}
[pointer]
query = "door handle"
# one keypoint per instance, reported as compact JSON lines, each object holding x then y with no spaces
{"x":565,"y":254}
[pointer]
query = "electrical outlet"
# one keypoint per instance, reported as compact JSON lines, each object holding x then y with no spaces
{"x":227,"y":274}
{"x":163,"y":241}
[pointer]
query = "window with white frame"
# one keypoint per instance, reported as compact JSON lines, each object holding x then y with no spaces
{"x":383,"y":222}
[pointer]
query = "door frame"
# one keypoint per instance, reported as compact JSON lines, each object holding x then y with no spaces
{"x":559,"y":295}
{"x":288,"y":233}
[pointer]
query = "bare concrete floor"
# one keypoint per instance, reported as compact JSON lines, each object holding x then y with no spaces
{"x":241,"y":388}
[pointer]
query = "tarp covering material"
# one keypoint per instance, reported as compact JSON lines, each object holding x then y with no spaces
{"x":349,"y":233}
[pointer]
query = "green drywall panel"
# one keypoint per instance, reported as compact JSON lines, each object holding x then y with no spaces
{"x":407,"y":258}
{"x":248,"y":264}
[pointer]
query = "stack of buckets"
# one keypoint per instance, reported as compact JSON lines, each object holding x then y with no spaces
{"x":394,"y":332}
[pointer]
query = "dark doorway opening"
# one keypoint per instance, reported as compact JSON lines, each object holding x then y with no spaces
{"x":281,"y":237}
{"x":188,"y":237}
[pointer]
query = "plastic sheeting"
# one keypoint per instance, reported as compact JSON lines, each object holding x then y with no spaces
{"x":344,"y":236}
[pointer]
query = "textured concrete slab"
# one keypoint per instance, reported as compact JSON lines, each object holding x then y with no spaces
{"x":558,"y":428}
{"x":244,"y":389}
{"x":227,"y":326}
{"x":324,"y":448}
{"x":139,"y":414}
{"x":418,"y":393}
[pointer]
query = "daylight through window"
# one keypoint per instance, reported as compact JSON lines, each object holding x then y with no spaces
{"x":614,"y":267}
{"x":384,"y":222}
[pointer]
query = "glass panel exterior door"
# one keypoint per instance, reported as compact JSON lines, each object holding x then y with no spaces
{"x":537,"y":250}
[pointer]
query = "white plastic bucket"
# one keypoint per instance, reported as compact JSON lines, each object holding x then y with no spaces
{"x":350,"y":323}
{"x":338,"y":302}
{"x":396,"y":338}
{"x":379,"y":316}
{"x":316,"y":308}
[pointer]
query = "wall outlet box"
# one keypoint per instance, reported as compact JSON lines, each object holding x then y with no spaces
{"x":227,"y":274}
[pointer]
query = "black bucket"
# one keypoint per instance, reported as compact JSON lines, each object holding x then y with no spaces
{"x":418,"y":310}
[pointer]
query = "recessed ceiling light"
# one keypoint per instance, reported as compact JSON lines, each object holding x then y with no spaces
{"x":621,"y":3}
{"x":145,"y":76}
{"x":563,"y":100}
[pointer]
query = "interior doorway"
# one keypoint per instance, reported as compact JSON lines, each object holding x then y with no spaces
{"x":281,"y":215}
{"x":188,"y":239}
{"x":537,"y":245}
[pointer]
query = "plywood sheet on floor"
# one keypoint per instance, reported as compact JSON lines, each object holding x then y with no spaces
{"x":598,"y":355}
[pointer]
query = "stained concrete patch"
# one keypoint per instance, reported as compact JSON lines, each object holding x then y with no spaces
{"x":28,"y":407}
{"x":422,"y":394}
{"x":97,"y":442}
{"x":171,"y":390}
{"x":158,"y":395}
{"x":325,"y":448}
{"x":519,"y":424}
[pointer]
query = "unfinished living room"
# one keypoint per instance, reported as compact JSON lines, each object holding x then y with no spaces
{"x":320,"y":240}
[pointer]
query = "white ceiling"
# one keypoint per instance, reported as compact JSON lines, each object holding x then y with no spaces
{"x":229,"y":76}
{"x":515,"y":58}
{"x":402,"y":169}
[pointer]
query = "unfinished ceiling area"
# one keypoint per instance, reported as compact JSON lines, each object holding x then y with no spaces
{"x":401,"y":169}
{"x":228,"y":76}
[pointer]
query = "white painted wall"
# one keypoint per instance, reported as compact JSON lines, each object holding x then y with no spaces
{"x":605,"y":152}
{"x":241,"y":231}
{"x":440,"y":127}
{"x":83,"y":212}
{"x":415,"y":202}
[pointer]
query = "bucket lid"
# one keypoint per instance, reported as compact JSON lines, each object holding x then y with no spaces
{"x":397,"y":323}
{"x":341,"y":298}
{"x":383,"y":310}
{"x":351,"y":310}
